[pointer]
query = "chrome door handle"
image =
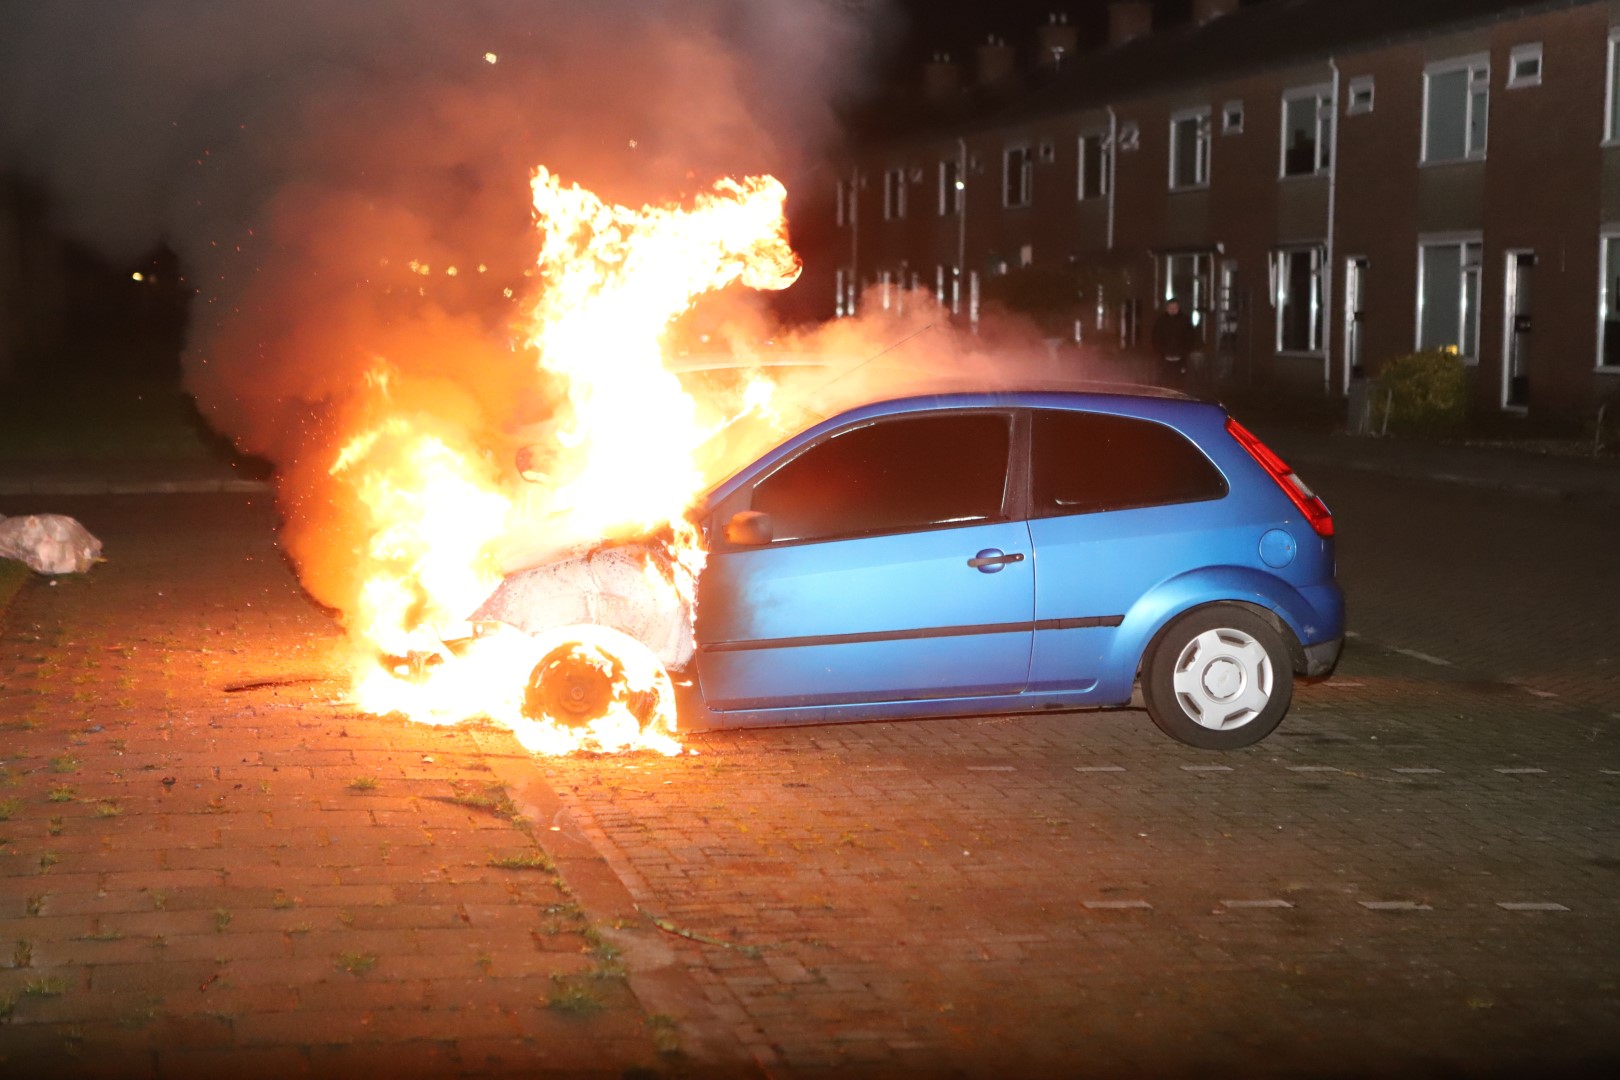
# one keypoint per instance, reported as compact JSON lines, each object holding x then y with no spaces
{"x":994,"y":559}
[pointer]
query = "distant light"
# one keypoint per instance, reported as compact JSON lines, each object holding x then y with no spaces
{"x":138,"y":276}
{"x":490,"y":58}
{"x":961,"y":185}
{"x":452,"y":271}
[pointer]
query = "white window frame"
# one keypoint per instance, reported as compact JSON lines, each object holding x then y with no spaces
{"x":1232,"y":118}
{"x":1201,"y":147}
{"x":1608,"y":233}
{"x":1517,"y":55}
{"x":894,"y":194}
{"x":1026,"y":176}
{"x":1203,"y":278}
{"x":1611,"y":109}
{"x":1478,"y":67}
{"x":1476,"y":270}
{"x":1316,"y":345}
{"x":1360,"y":96}
{"x":1322,"y":95}
{"x":1106,"y":152}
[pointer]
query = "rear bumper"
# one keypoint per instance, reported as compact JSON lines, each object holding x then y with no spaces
{"x":1321,"y":658}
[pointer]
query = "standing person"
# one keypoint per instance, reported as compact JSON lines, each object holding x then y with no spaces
{"x":1175,"y":339}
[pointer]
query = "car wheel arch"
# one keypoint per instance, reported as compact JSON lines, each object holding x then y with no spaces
{"x":1264,"y":595}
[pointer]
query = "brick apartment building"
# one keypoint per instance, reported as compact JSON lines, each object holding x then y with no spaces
{"x":1327,"y":183}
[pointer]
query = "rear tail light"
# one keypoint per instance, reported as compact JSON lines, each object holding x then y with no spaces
{"x":1298,"y":492}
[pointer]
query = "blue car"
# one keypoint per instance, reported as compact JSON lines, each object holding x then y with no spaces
{"x":1002,"y":553}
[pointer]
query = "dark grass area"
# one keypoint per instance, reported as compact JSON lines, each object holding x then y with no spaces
{"x":98,"y":419}
{"x":104,"y":419}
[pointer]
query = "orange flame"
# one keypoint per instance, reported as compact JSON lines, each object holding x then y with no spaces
{"x":614,"y":279}
{"x":619,"y":462}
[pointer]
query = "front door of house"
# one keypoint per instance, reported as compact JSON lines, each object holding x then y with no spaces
{"x":1355,"y":296}
{"x":1516,"y":340}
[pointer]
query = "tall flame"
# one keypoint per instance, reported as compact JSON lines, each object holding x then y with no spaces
{"x":614,"y":278}
{"x":619,"y":462}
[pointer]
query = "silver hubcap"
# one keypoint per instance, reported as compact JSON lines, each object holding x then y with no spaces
{"x":1223,"y":679}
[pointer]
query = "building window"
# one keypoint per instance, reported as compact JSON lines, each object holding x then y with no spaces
{"x":1232,"y":118}
{"x":1359,"y":98}
{"x":1307,"y":134}
{"x":1456,"y":99}
{"x":1094,"y":165}
{"x":1188,"y":278}
{"x":1448,"y":297}
{"x":1524,"y":66}
{"x":1609,"y":331}
{"x":894,"y":194}
{"x":1017,"y":176}
{"x":951,"y":187}
{"x":1298,"y":298}
{"x":1189,"y":149}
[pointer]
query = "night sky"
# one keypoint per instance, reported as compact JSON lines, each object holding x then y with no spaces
{"x":957,"y":26}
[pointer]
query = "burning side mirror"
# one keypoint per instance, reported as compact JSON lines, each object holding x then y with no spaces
{"x":748,"y":528}
{"x":529,"y":463}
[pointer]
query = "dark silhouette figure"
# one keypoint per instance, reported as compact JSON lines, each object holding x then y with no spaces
{"x":1175,"y":339}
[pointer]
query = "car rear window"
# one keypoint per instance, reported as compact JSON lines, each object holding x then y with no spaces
{"x":895,"y":475}
{"x":1086,"y":462}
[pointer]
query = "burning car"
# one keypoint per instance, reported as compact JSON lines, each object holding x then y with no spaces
{"x":957,"y":554}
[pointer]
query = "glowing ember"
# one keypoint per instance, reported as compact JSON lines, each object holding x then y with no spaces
{"x":617,"y":463}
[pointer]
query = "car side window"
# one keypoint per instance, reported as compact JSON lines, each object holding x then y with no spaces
{"x":1086,"y":462}
{"x":892,"y":476}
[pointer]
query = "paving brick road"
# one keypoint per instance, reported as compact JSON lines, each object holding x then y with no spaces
{"x":207,"y":867}
{"x":1418,"y":875}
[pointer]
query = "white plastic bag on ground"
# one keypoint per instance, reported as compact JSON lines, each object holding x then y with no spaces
{"x":48,"y":543}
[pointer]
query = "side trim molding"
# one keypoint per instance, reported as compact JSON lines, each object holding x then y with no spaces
{"x":911,"y":635}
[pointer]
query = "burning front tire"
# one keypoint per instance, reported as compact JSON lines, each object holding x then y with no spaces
{"x":1218,"y":678}
{"x":594,"y":677}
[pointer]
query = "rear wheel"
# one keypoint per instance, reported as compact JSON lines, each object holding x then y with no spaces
{"x":1218,"y":678}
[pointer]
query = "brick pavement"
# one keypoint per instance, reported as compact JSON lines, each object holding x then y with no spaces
{"x":208,"y":863}
{"x":1418,"y":875}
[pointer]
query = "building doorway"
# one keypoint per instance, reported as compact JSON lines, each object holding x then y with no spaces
{"x":1355,"y":303}
{"x":1516,"y":331}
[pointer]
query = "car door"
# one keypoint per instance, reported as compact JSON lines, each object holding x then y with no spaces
{"x":1118,"y":504}
{"x":893,"y":569}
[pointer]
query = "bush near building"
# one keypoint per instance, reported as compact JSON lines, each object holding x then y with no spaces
{"x":1422,"y":393}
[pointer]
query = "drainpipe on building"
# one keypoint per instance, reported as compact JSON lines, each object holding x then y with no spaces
{"x":1328,"y":290}
{"x":960,"y":196}
{"x":1113,"y":169}
{"x":854,"y":283}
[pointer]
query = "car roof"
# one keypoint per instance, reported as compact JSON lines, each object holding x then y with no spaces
{"x":1123,"y":397}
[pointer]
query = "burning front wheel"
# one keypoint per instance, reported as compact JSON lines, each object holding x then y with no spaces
{"x":598,"y":678}
{"x":1218,"y":678}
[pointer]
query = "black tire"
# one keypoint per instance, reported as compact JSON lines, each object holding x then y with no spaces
{"x":1218,"y":678}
